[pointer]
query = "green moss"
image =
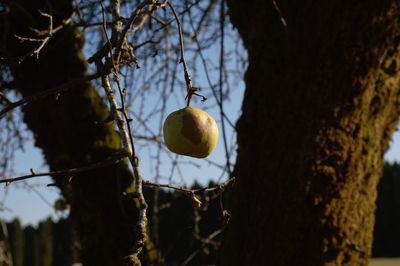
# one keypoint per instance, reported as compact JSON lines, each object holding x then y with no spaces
{"x":71,"y":133}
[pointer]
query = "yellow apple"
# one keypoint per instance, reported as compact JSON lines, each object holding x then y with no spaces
{"x":191,"y":131}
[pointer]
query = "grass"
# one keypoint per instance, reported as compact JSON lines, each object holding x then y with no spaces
{"x":385,"y":262}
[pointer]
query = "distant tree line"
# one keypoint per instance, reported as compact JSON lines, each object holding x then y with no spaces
{"x":387,"y":223}
{"x":187,"y":235}
{"x":50,"y":243}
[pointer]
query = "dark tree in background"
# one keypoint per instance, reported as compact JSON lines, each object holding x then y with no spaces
{"x":32,"y":243}
{"x":176,"y":239}
{"x":65,"y":243}
{"x":46,"y":242}
{"x":50,"y":243}
{"x":387,"y":231}
{"x":16,"y":242}
{"x":321,"y":103}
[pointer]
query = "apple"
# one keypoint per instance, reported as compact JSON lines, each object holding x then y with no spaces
{"x":191,"y":131}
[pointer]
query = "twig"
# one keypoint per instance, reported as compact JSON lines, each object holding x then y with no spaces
{"x":4,"y":98}
{"x":127,"y":144}
{"x":203,"y":60}
{"x":131,"y":21}
{"x":123,"y":123}
{"x":45,"y":35}
{"x":43,"y":41}
{"x":157,"y":185}
{"x":117,"y":115}
{"x":189,"y":86}
{"x":115,"y":158}
{"x":220,"y":187}
{"x":221,"y":100}
{"x":205,"y":242}
{"x":61,"y":88}
{"x":116,"y":30}
{"x":121,"y":35}
{"x":116,"y":12}
{"x":277,"y":9}
{"x":191,"y":192}
{"x":195,"y":3}
{"x":151,"y":41}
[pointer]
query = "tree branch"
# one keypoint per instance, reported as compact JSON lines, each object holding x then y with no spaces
{"x":189,"y":86}
{"x":191,"y":192}
{"x":61,"y":88}
{"x":115,"y":158}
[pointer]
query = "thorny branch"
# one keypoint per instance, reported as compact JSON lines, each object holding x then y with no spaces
{"x":123,"y":123}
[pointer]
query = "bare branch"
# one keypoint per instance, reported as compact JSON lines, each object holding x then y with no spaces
{"x":203,"y":60}
{"x":44,"y":36}
{"x":132,"y":19}
{"x":205,"y":242}
{"x":189,"y":86}
{"x":123,"y":123}
{"x":59,"y":89}
{"x":221,"y":84}
{"x":115,"y":158}
{"x":191,"y":192}
{"x":118,"y":37}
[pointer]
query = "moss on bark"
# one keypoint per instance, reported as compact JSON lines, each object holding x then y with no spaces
{"x":69,"y":130}
{"x":321,"y":102}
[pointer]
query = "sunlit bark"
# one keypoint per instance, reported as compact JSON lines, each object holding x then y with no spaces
{"x":321,"y":102}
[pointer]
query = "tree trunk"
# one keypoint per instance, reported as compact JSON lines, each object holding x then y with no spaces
{"x":322,"y":100}
{"x":69,"y":130}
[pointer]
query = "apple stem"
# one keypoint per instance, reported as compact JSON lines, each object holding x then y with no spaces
{"x":189,"y":86}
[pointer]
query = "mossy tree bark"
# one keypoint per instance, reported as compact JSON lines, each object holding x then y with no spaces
{"x":322,"y":100}
{"x":69,"y":131}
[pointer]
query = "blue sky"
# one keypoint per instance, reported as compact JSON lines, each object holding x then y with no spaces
{"x":32,"y":201}
{"x":393,"y":154}
{"x":23,"y":202}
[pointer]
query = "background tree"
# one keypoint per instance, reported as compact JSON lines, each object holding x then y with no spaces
{"x":387,"y":232}
{"x":16,"y":242}
{"x":103,"y":223}
{"x":45,"y":232}
{"x":31,"y":252}
{"x":175,"y":235}
{"x":64,"y":243}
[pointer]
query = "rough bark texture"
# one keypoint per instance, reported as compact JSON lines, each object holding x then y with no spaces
{"x":66,"y":128}
{"x":321,"y":102}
